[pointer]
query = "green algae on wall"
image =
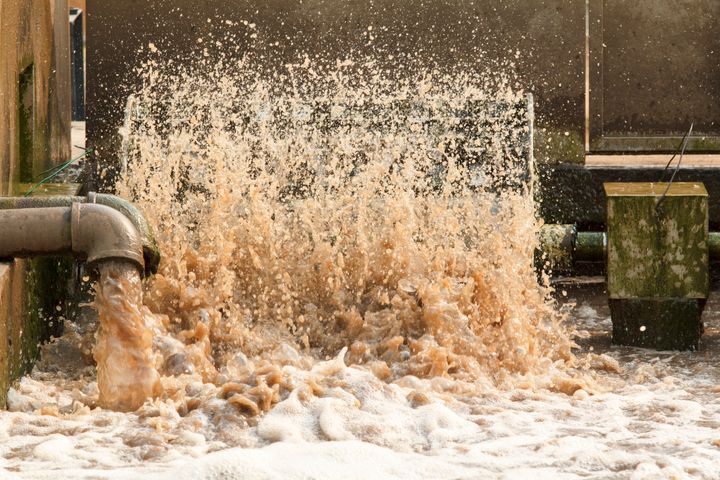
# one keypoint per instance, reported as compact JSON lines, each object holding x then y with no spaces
{"x":49,"y":297}
{"x":35,"y":296}
{"x":657,"y":248}
{"x":657,"y":263}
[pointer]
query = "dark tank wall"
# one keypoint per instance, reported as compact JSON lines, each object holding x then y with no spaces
{"x":608,"y":76}
{"x":544,"y":39}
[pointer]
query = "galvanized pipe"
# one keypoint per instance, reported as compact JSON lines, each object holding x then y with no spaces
{"x":24,"y":233}
{"x":562,"y":245}
{"x":590,"y":246}
{"x":714,"y":246}
{"x":92,"y":232}
{"x":151,"y":252}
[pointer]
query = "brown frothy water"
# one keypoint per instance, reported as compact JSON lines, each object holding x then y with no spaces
{"x":126,"y":372}
{"x":339,"y":207}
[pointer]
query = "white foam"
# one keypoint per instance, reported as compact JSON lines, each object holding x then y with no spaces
{"x":663,"y":428}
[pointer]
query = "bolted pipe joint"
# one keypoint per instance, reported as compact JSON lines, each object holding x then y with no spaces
{"x":100,"y":233}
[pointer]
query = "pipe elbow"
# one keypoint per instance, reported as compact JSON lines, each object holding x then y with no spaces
{"x":151,"y":251}
{"x":102,"y":233}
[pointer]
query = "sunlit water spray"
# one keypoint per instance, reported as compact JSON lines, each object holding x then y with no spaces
{"x":338,"y":207}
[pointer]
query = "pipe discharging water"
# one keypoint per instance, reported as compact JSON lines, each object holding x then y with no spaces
{"x":126,"y":374}
{"x":108,"y":240}
{"x":323,"y":207}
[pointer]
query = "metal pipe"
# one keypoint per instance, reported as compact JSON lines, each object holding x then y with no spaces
{"x":714,"y":246}
{"x":27,"y":232}
{"x":562,"y":245}
{"x":102,"y":233}
{"x":151,"y":252}
{"x":590,"y":246}
{"x":556,"y":248}
{"x":93,"y":232}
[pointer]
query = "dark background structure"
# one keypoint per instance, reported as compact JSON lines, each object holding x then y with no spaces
{"x":608,"y":76}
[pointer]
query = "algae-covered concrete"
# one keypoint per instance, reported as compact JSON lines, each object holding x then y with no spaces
{"x":657,"y":263}
{"x":35,"y":295}
{"x":34,"y":88}
{"x":657,"y":240}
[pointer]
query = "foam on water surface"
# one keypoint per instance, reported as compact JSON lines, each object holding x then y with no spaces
{"x":662,"y":420}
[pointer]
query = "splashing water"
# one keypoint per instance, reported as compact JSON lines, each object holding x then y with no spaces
{"x":347,"y":257}
{"x":327,"y":208}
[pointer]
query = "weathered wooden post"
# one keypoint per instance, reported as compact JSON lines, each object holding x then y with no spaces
{"x":657,"y":263}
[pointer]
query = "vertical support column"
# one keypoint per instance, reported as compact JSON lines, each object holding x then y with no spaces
{"x":658,"y":275}
{"x":26,"y":124}
{"x":77,"y":62}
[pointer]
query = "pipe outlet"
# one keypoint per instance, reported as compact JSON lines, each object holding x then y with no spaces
{"x":151,"y":252}
{"x":102,"y":233}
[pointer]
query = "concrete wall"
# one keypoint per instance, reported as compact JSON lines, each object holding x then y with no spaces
{"x":34,"y":135}
{"x":35,"y":294}
{"x":5,"y":320}
{"x":549,"y":36}
{"x":34,"y":41}
{"x":652,"y":68}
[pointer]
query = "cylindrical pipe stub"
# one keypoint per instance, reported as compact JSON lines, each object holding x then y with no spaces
{"x":557,"y":245}
{"x":562,"y":246}
{"x":714,"y":246}
{"x":103,"y":233}
{"x":590,"y":246}
{"x":27,"y":232}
